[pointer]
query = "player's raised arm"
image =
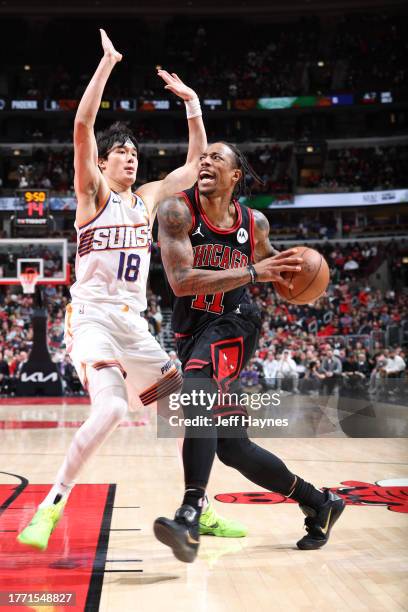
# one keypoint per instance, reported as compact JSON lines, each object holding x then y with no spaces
{"x":177,"y":255}
{"x":186,"y":175}
{"x":90,"y":186}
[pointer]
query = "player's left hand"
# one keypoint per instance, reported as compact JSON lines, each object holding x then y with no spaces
{"x":108,"y":48}
{"x":176,"y":85}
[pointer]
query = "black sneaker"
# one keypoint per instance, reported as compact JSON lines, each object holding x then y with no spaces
{"x":181,"y":534}
{"x":319,"y":523}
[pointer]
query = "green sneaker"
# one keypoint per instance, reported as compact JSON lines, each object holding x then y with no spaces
{"x":38,"y":531}
{"x":213,"y":524}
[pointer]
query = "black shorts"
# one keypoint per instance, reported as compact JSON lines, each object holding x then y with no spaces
{"x":223,"y":348}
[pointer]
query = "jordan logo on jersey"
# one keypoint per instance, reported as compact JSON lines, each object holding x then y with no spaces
{"x":198,"y":232}
{"x":115,"y":237}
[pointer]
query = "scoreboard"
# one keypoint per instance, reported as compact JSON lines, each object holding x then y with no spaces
{"x":32,"y":214}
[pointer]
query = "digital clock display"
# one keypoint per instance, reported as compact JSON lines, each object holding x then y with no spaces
{"x":35,"y":204}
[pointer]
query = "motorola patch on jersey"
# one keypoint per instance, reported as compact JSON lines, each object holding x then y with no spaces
{"x":242,"y":235}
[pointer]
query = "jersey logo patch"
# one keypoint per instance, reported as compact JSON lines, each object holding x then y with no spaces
{"x":198,"y":231}
{"x":242,"y":235}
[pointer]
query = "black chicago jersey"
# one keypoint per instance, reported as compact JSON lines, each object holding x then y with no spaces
{"x":214,"y":249}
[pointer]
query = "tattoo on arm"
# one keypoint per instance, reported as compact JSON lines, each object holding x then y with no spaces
{"x":178,"y":259}
{"x":263,"y":247}
{"x":174,"y":225}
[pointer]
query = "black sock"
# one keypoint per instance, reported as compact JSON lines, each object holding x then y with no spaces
{"x":305,"y":493}
{"x":194,"y":497}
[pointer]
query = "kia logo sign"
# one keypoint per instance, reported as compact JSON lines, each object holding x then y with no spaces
{"x":38,"y":377}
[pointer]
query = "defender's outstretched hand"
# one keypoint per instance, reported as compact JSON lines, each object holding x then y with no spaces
{"x":176,"y":85}
{"x":108,"y":48}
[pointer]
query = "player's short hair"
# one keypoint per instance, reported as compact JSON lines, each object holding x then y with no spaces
{"x":241,"y":162}
{"x":118,"y":133}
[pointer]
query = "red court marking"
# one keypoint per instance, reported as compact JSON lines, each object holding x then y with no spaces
{"x":35,"y":401}
{"x":354,"y":493}
{"x":69,"y":562}
{"x":57,"y":424}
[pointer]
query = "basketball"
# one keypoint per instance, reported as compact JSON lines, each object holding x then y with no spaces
{"x":310,"y":283}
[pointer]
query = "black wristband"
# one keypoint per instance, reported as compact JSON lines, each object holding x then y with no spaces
{"x":253,"y":274}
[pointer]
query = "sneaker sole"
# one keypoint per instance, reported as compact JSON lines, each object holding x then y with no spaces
{"x":310,"y":544}
{"x":168,"y":536}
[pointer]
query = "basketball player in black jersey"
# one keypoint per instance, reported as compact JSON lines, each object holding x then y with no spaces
{"x":212,"y":248}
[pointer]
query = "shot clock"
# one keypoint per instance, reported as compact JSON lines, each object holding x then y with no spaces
{"x":32,"y":214}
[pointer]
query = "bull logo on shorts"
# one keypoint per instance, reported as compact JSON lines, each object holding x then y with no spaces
{"x":393,"y":494}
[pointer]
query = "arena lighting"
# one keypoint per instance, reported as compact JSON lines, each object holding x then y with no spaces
{"x":162,"y":152}
{"x":27,"y":67}
{"x":310,"y":149}
{"x":16,"y":152}
{"x":320,"y":64}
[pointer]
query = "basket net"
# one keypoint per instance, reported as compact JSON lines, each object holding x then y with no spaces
{"x":28,"y":280}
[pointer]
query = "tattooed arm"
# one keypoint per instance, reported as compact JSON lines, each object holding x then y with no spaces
{"x":177,"y":254}
{"x":263,"y":247}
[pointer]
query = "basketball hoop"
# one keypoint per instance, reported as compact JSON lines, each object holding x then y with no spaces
{"x":28,"y":280}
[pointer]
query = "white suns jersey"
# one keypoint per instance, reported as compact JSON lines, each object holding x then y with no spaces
{"x":113,"y":254}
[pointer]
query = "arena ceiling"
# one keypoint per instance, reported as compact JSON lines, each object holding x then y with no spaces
{"x":189,"y":7}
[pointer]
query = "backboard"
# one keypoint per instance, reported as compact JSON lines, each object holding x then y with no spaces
{"x":48,"y":256}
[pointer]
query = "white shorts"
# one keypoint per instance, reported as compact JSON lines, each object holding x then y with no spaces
{"x":109,"y":335}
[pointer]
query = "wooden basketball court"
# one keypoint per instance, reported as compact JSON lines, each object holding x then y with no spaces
{"x":104,"y":549}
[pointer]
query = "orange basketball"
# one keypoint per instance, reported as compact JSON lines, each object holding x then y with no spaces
{"x":308,"y":284}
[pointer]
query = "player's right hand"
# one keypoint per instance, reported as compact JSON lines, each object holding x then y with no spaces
{"x":108,"y":48}
{"x":271,"y":268}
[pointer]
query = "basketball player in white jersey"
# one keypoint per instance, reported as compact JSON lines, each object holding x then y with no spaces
{"x":108,"y":340}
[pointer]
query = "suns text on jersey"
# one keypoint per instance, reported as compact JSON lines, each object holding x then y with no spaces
{"x":114,"y":237}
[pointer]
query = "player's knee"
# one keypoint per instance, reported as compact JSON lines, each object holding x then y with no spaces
{"x":118,"y":408}
{"x":233,"y":451}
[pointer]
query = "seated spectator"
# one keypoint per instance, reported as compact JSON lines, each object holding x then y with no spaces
{"x":270,"y":368}
{"x":175,"y":360}
{"x":286,"y":370}
{"x":250,"y":378}
{"x":313,"y":379}
{"x":395,"y":366}
{"x":332,"y":368}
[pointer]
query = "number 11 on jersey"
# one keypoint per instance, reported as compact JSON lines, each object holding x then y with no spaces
{"x":210,"y":303}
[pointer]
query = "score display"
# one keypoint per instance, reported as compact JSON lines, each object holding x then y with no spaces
{"x":33,"y":209}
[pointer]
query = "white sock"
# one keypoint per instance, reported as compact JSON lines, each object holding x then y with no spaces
{"x":58,"y":489}
{"x":108,"y":410}
{"x":206,"y":503}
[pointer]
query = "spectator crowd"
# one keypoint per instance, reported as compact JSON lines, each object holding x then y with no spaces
{"x":362,"y":169}
{"x":361,"y":51}
{"x":345,"y":169}
{"x":16,"y":334}
{"x":341,"y":339}
{"x":343,"y":336}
